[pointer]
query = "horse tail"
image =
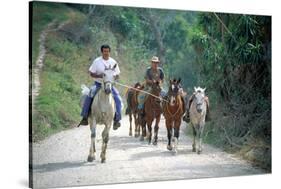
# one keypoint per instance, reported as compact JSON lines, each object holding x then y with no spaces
{"x":85,"y":89}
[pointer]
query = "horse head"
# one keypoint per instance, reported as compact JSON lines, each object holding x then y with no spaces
{"x":108,"y":78}
{"x":199,"y":98}
{"x":155,"y":88}
{"x":174,"y":89}
{"x":138,"y":86}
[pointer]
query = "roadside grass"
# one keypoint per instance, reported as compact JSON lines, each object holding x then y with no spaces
{"x":57,"y":105}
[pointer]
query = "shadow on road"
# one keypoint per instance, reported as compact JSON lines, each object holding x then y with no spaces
{"x":125,"y":142}
{"x":50,"y":167}
{"x":163,"y":154}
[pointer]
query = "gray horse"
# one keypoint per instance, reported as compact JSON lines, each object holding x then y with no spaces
{"x":197,"y":112}
{"x":102,"y":113}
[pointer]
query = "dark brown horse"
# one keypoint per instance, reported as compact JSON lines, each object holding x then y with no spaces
{"x":152,"y":110}
{"x":132,"y":101}
{"x":173,"y":111}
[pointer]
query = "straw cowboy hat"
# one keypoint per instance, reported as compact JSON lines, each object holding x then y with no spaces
{"x":155,"y":59}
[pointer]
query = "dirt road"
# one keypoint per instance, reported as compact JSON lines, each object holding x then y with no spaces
{"x":61,"y":160}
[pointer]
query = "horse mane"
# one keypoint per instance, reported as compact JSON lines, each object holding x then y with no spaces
{"x":137,"y":85}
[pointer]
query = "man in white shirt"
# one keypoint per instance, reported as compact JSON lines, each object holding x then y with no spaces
{"x":96,"y":71}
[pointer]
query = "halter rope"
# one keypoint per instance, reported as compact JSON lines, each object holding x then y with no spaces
{"x":142,"y":91}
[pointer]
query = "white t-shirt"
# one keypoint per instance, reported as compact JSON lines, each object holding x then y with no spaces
{"x":99,"y":64}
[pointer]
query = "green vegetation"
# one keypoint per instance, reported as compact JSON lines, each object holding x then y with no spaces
{"x":43,"y":14}
{"x":234,"y":58}
{"x":228,"y":54}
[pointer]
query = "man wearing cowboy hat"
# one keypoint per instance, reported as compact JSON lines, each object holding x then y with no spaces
{"x":153,"y":74}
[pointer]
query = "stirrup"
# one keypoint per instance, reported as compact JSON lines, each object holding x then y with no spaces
{"x":127,"y":111}
{"x":84,"y":122}
{"x":116,"y":125}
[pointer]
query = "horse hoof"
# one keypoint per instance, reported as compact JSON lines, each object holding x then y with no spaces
{"x":103,"y":161}
{"x":175,"y":152}
{"x":141,"y":138}
{"x":130,"y":134}
{"x":193,"y":149}
{"x":169,"y":148}
{"x":136,"y":136}
{"x":90,"y":159}
{"x":199,"y":152}
{"x":155,"y":143}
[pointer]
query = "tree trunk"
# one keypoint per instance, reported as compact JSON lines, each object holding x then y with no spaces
{"x":157,"y":32}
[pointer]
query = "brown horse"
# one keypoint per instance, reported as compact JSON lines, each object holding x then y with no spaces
{"x":152,"y":110}
{"x":132,"y":101}
{"x":173,"y":111}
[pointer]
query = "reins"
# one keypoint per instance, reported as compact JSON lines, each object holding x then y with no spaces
{"x":142,"y":91}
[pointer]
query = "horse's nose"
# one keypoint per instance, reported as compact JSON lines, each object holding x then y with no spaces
{"x":107,"y":91}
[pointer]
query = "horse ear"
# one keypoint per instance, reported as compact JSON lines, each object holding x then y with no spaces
{"x":179,"y":80}
{"x":194,"y":88}
{"x":204,"y":89}
{"x":171,"y":81}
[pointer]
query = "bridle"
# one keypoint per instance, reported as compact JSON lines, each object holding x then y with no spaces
{"x":176,"y":95}
{"x":196,"y":101}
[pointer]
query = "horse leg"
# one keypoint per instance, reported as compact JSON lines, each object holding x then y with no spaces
{"x":143,"y":126}
{"x":156,"y":128}
{"x":169,"y":134}
{"x":176,"y":135}
{"x":149,"y":134}
{"x":201,"y":128}
{"x":136,"y":125}
{"x":194,"y":139}
{"x":105,"y":138}
{"x":91,"y":155}
{"x":130,"y":119}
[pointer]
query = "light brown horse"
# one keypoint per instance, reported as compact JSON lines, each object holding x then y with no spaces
{"x":152,"y":110}
{"x":173,"y":111}
{"x":197,"y":112}
{"x":132,"y":101}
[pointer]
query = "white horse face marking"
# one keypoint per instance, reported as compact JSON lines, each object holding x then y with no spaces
{"x":108,"y":79}
{"x":173,"y":91}
{"x":199,"y":99}
{"x":172,"y":101}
